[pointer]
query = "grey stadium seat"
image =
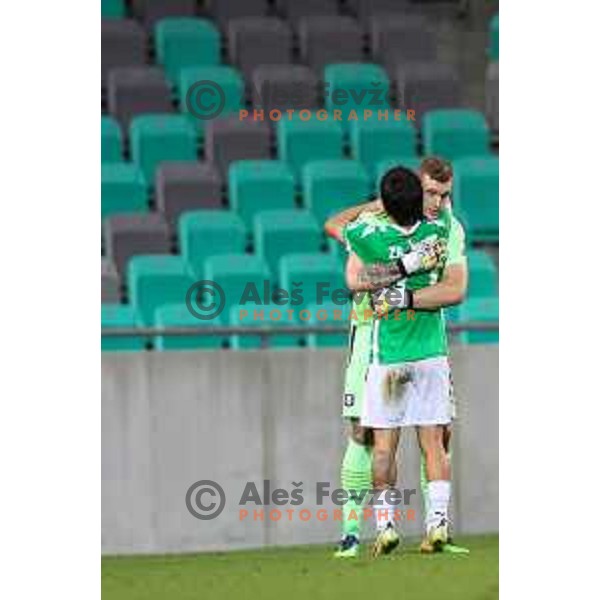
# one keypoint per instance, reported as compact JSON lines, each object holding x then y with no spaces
{"x":297,"y":9}
{"x":492,"y":94}
{"x":182,"y":186}
{"x":110,"y":283}
{"x":123,"y":45}
{"x":150,"y":11}
{"x":326,"y":40}
{"x":137,"y":90}
{"x":257,"y":41}
{"x":128,"y":235}
{"x":228,"y":140}
{"x":365,"y":9}
{"x":225,"y":10}
{"x":284,"y":87}
{"x":396,"y":39}
{"x":427,"y":86}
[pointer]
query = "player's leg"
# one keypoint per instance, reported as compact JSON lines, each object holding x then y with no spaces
{"x":355,"y":478}
{"x":385,"y":474}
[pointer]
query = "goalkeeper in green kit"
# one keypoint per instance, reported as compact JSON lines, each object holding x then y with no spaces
{"x":399,"y":246}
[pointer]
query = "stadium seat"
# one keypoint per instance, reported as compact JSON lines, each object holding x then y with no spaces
{"x":426,"y":86}
{"x":301,"y":141}
{"x":374,"y":140}
{"x":161,"y":138}
{"x":128,"y":235}
{"x":281,"y":232}
{"x":483,"y":275}
{"x":316,"y":278}
{"x":325,"y":40}
{"x":365,"y":9}
{"x":225,"y":10}
{"x":203,"y":101}
{"x":183,"y":186}
{"x":206,"y":233}
{"x":494,"y":37}
{"x":492,"y":94}
{"x":241,"y":277}
{"x":151,"y":11}
{"x":123,"y":44}
{"x":249,"y":315}
{"x":294,"y":10}
{"x":186,"y":42}
{"x":179,"y":316}
{"x":455,"y":133}
{"x":113,"y":9}
{"x":383,"y":166}
{"x":110,"y":283}
{"x":231,"y":139}
{"x":329,"y":314}
{"x":112,"y":141}
{"x":260,"y":185}
{"x":123,"y":189}
{"x":284,"y":87}
{"x":333,"y":185}
{"x":116,"y":316}
{"x":401,"y":38}
{"x":134,"y":91}
{"x":482,"y":310}
{"x":356,"y":87}
{"x":476,"y":186}
{"x":255,"y":41}
{"x":154,"y":281}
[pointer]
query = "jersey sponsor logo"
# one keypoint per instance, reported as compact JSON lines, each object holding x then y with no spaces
{"x":349,"y":400}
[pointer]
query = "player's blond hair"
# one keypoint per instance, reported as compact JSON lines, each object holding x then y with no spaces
{"x":437,"y":168}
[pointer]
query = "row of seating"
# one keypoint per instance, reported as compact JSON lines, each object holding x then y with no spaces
{"x":480,"y":310}
{"x":149,"y":12}
{"x":298,"y":140}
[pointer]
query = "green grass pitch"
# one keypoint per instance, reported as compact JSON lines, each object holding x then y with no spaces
{"x":306,"y":573}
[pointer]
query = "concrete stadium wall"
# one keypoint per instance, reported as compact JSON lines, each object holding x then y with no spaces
{"x":171,"y":419}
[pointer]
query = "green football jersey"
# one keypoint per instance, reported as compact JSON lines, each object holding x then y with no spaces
{"x":409,"y":335}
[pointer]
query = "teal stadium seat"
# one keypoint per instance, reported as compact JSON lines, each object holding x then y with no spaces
{"x":263,"y":317}
{"x":241,"y":277}
{"x":315,"y":278}
{"x":484,"y":309}
{"x":476,"y":196}
{"x":356,"y":87}
{"x":112,"y":141}
{"x":179,"y":315}
{"x":455,"y":133}
{"x":300,"y":142}
{"x":383,"y":166}
{"x":186,"y":42}
{"x":199,"y":100}
{"x":281,"y":232}
{"x":113,"y":9}
{"x":376,"y":140}
{"x":115,"y":316}
{"x":206,"y":233}
{"x":257,"y":185}
{"x":332,"y":185}
{"x":160,"y":138}
{"x":494,"y":39}
{"x":483,"y":275}
{"x":329,"y":314}
{"x":156,"y":280}
{"x":123,"y":189}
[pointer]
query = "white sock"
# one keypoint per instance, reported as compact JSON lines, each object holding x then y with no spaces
{"x":383,"y":513}
{"x":439,"y":500}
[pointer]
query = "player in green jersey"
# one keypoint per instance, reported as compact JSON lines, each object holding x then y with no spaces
{"x":408,"y":382}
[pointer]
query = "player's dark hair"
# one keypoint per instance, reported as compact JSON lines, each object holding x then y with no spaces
{"x":402,"y":196}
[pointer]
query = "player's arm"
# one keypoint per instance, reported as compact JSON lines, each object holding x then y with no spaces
{"x":334,"y":226}
{"x":361,"y":277}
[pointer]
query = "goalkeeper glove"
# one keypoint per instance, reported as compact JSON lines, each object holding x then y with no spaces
{"x":423,"y":257}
